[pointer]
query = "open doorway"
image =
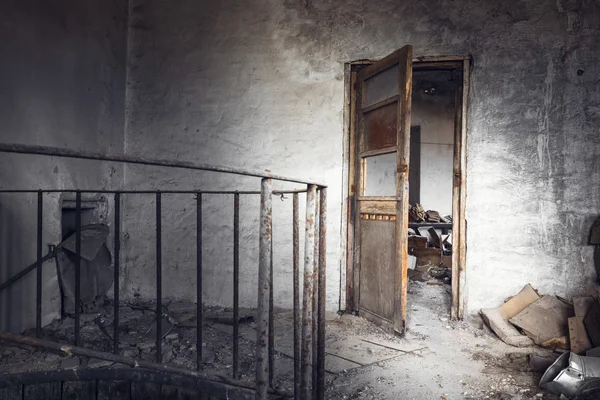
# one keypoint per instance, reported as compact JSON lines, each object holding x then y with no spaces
{"x":422,"y":205}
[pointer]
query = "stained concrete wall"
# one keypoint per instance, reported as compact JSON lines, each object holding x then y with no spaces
{"x":260,"y":85}
{"x":63,"y":84}
{"x":435,"y":116}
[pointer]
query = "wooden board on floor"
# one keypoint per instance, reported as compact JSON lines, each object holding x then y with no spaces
{"x":578,"y":336}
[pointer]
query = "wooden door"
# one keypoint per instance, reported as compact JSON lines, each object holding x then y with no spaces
{"x":382,"y":159}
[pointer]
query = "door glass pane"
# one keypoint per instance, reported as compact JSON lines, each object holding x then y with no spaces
{"x":381,"y":86}
{"x":380,"y":127}
{"x":380,"y":175}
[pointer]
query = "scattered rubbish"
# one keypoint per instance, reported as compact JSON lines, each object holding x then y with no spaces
{"x":96,"y":269}
{"x":545,"y":321}
{"x":70,"y":363}
{"x":578,"y":335}
{"x":227,"y":319}
{"x":412,"y":262}
{"x":539,"y":363}
{"x":497,"y":318}
{"x":420,"y":273}
{"x":592,"y":323}
{"x":566,"y":376}
{"x":166,"y":326}
{"x":582,"y":305}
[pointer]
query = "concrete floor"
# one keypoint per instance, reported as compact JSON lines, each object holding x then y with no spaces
{"x":456,"y":360}
{"x":436,"y":359}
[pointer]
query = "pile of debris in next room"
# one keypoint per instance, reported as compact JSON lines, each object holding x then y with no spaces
{"x":430,"y":251}
{"x":570,"y":327}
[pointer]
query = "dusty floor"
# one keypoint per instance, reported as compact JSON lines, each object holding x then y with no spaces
{"x":459,"y":361}
{"x":437,"y":359}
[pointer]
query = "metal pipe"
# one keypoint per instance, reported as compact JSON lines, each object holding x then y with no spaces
{"x":137,"y":364}
{"x":320,"y":363}
{"x":314,"y":302}
{"x":77,"y":265}
{"x":307,"y":296}
{"x":25,"y":271}
{"x":264,"y":284}
{"x":199,"y":316}
{"x":236,"y":283}
{"x":38,"y":284}
{"x":88,"y":155}
{"x":296,"y":272}
{"x":191,"y":191}
{"x":271,"y":317}
{"x":158,"y":279}
{"x":117,"y":251}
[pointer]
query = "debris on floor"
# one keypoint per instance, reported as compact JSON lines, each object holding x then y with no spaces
{"x":554,"y":323}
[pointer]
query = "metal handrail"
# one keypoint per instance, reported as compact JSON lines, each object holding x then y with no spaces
{"x":89,"y":155}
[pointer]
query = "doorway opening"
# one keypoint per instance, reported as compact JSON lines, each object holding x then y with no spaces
{"x":411,"y":112}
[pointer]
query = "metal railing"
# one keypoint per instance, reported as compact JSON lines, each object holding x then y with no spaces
{"x":308,"y":321}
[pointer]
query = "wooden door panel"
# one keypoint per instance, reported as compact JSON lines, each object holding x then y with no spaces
{"x":377,"y":260}
{"x":381,"y":223}
{"x":380,"y":128}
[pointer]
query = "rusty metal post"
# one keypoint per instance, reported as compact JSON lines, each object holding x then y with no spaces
{"x":271,"y":318}
{"x":77,"y":264}
{"x":199,"y":311}
{"x":236,"y":283}
{"x":296,"y":269}
{"x":314,"y":302}
{"x":158,"y":278}
{"x":264,"y":285}
{"x":38,"y":287}
{"x":307,"y":297}
{"x":117,"y":229}
{"x":320,"y":363}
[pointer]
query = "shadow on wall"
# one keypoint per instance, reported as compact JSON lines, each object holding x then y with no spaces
{"x":12,"y":249}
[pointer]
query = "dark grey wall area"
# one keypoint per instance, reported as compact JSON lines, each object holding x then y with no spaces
{"x":62,"y":84}
{"x":261,"y":85}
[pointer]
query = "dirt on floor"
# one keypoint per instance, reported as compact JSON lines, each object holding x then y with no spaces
{"x":457,"y":360}
{"x":436,"y":359}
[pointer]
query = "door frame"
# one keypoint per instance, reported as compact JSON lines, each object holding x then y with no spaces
{"x":349,"y":282}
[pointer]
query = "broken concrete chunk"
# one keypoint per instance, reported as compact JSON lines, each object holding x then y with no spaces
{"x":497,"y":318}
{"x":545,"y":321}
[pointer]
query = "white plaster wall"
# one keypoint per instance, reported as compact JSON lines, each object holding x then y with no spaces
{"x":260,"y":84}
{"x":62,"y":84}
{"x":435,"y":116}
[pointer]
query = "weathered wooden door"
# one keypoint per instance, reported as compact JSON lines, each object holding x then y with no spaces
{"x":381,"y":219}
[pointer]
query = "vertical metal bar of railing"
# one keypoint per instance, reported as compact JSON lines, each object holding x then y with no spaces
{"x":296,"y":272}
{"x":38,"y":284}
{"x":314,"y":302}
{"x":158,"y":278}
{"x":117,"y":252}
{"x":199,"y":316}
{"x":236,"y":282}
{"x":320,"y":363}
{"x":307,"y":297}
{"x":264,"y":251}
{"x":77,"y":301}
{"x":271,"y":316}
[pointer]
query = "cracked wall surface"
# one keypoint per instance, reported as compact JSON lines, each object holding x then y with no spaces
{"x":260,"y":85}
